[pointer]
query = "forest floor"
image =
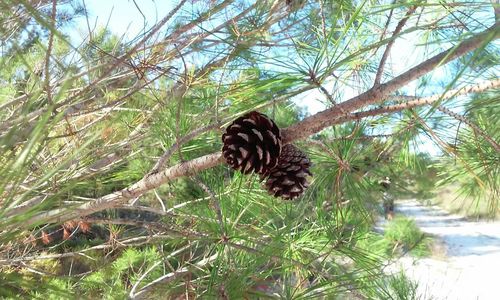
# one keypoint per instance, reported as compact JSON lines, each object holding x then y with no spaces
{"x":465,"y":263}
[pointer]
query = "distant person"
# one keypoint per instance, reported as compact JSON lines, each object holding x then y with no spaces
{"x":387,"y":198}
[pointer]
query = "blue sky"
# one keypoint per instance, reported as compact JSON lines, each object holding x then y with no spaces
{"x":122,"y":16}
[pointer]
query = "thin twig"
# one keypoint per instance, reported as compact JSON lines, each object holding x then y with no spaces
{"x":398,"y":29}
{"x":389,"y":18}
{"x":214,"y":201}
{"x":474,"y":127}
{"x":132,"y":293}
{"x":186,"y":138}
{"x":49,"y":51}
{"x":130,"y":242}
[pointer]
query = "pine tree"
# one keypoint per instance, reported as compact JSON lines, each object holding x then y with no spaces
{"x":113,"y":181}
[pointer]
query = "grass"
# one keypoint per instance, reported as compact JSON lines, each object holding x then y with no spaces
{"x":401,"y":236}
{"x":404,"y":236}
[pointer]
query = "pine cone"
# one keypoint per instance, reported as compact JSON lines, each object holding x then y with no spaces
{"x":252,"y":143}
{"x":288,"y":179}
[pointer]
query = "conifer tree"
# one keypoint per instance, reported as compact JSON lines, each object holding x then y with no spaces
{"x":113,"y":182}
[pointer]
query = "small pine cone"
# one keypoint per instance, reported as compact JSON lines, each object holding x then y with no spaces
{"x":252,"y":143}
{"x":288,"y":179}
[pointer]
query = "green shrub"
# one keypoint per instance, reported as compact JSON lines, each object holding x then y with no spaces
{"x":404,"y":235}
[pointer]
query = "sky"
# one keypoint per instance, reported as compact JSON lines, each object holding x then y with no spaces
{"x":123,"y":16}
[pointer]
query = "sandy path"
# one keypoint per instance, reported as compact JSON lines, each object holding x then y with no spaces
{"x":470,"y":266}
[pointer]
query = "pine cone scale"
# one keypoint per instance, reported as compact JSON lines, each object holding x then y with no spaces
{"x":273,"y":137}
{"x":244,"y":153}
{"x":250,"y":121}
{"x":244,"y":136}
{"x":258,"y":134}
{"x":260,"y":152}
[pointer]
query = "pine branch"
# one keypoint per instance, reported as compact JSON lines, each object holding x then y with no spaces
{"x":474,"y":127}
{"x":196,"y":37}
{"x":133,"y":293}
{"x":214,"y":200}
{"x":421,"y":101}
{"x":118,"y":198}
{"x":129,"y":242}
{"x":63,"y":105}
{"x":160,"y":164}
{"x":303,"y":129}
{"x":317,"y":122}
{"x":483,"y":86}
{"x":104,"y":75}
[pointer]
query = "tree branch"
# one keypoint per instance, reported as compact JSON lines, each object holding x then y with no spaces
{"x":487,"y":85}
{"x":130,"y":242}
{"x":303,"y":129}
{"x":317,"y":122}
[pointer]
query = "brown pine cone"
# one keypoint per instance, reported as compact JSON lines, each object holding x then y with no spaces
{"x":252,"y":143}
{"x":289,"y":178}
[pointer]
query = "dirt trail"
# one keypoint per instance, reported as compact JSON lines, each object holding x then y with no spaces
{"x":470,"y":265}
